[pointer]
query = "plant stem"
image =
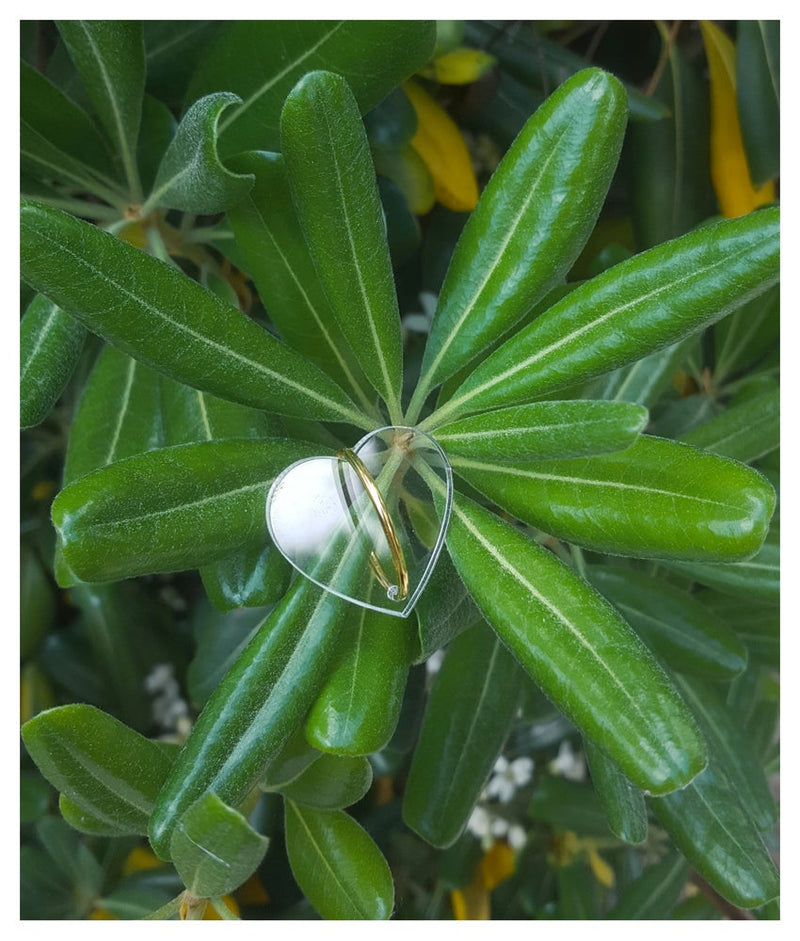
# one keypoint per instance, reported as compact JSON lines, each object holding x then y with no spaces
{"x":167,"y":911}
{"x":222,"y":909}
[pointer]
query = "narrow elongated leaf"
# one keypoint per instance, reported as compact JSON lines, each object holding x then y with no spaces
{"x":645,"y":380}
{"x":734,"y":754}
{"x":170,"y":509}
{"x":155,"y":313}
{"x":745,"y":432}
{"x":568,"y":805}
{"x":191,"y":176}
{"x":103,"y":767}
{"x":758,"y":63}
{"x":675,"y":624}
{"x":655,"y":893}
{"x":358,"y":707}
{"x":638,"y":306}
{"x":85,"y":822}
{"x":119,"y":415}
{"x":531,"y":222}
{"x":331,"y":782}
{"x":252,"y":576}
{"x":214,"y":848}
{"x":545,"y":430}
{"x":577,"y":649}
{"x":261,"y":61}
{"x":716,"y":834}
{"x":172,"y":52}
{"x":260,"y":702}
{"x":468,"y":717}
{"x":747,"y":335}
{"x":336,"y":196}
{"x":623,"y":803}
{"x":756,"y":623}
{"x":109,"y":56}
{"x":337,"y":865}
{"x":155,"y":135}
{"x":657,"y":499}
{"x":37,"y":603}
{"x":276,"y":256}
{"x":444,"y":609}
{"x":49,"y":346}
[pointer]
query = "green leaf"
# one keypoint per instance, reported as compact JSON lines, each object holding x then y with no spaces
{"x":337,"y":865}
{"x":330,"y":783}
{"x":292,"y":760}
{"x":119,"y":415}
{"x":444,"y":610}
{"x":37,"y":604}
{"x":747,"y":335}
{"x":471,"y":707}
{"x":85,"y":822}
{"x":275,"y":254}
{"x":545,"y":430}
{"x":262,"y":60}
{"x":191,"y":176}
{"x":718,"y":837}
{"x":674,"y":624}
{"x":214,"y":848}
{"x":172,"y":51}
{"x":568,"y":805}
{"x":155,"y":135}
{"x":263,"y":698}
{"x":655,"y":893}
{"x":109,"y":56}
{"x":359,"y":705}
{"x":532,"y":221}
{"x":756,"y":623}
{"x":336,"y":197}
{"x":44,"y":892}
{"x":252,"y":576}
{"x":142,"y":892}
{"x":657,"y":499}
{"x":745,"y":432}
{"x":577,"y":649}
{"x":155,"y":313}
{"x":50,"y":343}
{"x":638,"y":306}
{"x":623,"y":803}
{"x":170,"y":509}
{"x":758,"y":63}
{"x":106,"y":769}
{"x":733,"y":753}
{"x":75,"y":860}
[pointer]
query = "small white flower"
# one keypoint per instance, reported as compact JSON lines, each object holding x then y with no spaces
{"x":421,"y":322}
{"x":567,"y":763}
{"x":499,"y":826}
{"x":517,"y":837}
{"x":480,"y":822}
{"x":508,"y":777}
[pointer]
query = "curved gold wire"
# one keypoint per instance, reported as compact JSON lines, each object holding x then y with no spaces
{"x":397,"y":592}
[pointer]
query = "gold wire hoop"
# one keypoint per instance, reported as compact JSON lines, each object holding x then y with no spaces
{"x":397,"y":592}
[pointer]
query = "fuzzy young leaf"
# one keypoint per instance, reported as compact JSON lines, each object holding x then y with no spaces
{"x":336,"y":196}
{"x":191,"y":176}
{"x":578,"y":650}
{"x":156,"y":314}
{"x":49,"y":346}
{"x":657,"y":499}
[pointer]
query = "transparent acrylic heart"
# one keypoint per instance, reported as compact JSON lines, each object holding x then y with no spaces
{"x":367,"y":525}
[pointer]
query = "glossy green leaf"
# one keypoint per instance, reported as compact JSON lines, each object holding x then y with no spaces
{"x":262,"y":60}
{"x":532,"y":220}
{"x":745,"y":432}
{"x":657,"y":499}
{"x":337,"y":865}
{"x":153,"y":312}
{"x":109,"y":56}
{"x":638,"y":306}
{"x":359,"y":704}
{"x":756,"y":623}
{"x":104,"y":768}
{"x":49,"y":346}
{"x":471,"y":706}
{"x":758,"y":577}
{"x":173,"y":49}
{"x":623,"y":803}
{"x":655,"y":893}
{"x":119,"y":415}
{"x":191,"y":176}
{"x":260,"y":702}
{"x":578,"y":650}
{"x":37,"y":604}
{"x":276,"y":256}
{"x":568,"y":805}
{"x":444,"y":610}
{"x":544,"y":430}
{"x":758,"y":65}
{"x":291,"y":761}
{"x":47,"y":110}
{"x":332,"y":782}
{"x":718,"y":837}
{"x":733,"y":752}
{"x":252,"y":576}
{"x":214,"y":848}
{"x":747,"y":335}
{"x":335,"y":193}
{"x":672,"y":622}
{"x":170,"y":509}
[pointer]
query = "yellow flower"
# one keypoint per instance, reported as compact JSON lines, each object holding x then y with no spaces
{"x":472,"y":903}
{"x":458,"y":66}
{"x":567,"y":846}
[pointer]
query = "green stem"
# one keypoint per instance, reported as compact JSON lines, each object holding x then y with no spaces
{"x":421,"y":393}
{"x":79,"y":207}
{"x":578,"y":560}
{"x":222,"y":909}
{"x":166,"y":911}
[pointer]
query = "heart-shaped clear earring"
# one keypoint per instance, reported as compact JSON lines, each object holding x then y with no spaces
{"x":367,"y":524}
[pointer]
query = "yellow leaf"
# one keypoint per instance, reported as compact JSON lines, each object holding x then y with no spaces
{"x":471,"y":903}
{"x":497,"y":865}
{"x":602,"y":871}
{"x":140,"y":857}
{"x":440,"y":144}
{"x":459,"y":66}
{"x":411,"y":174}
{"x":211,"y":912}
{"x":102,"y":914}
{"x":730,"y":174}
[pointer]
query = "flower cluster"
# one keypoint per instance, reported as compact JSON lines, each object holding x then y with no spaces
{"x":487,"y":822}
